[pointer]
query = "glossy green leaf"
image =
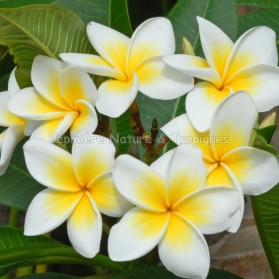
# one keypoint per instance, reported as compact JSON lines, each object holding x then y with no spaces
{"x":17,"y":187}
{"x":155,"y":272}
{"x":184,"y":13}
{"x":21,"y":3}
{"x":266,"y":212}
{"x":17,"y":250}
{"x":113,"y":13}
{"x":40,"y":29}
{"x":266,"y":17}
{"x":183,"y":18}
{"x":260,"y":3}
{"x":48,"y":275}
{"x":266,"y":132}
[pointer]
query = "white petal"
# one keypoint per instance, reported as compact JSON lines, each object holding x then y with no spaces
{"x":50,"y":165}
{"x":139,"y":184}
{"x":93,"y":155}
{"x":28,"y":103}
{"x":256,"y":170}
{"x":6,"y":117}
{"x":85,"y":227}
{"x":159,"y":81}
{"x":77,"y":85}
{"x":181,"y":131}
{"x":137,"y":233}
{"x":237,"y":217}
{"x":45,"y":78}
{"x":48,"y":210}
{"x":202,"y":102}
{"x":92,"y":64}
{"x":113,"y":92}
{"x":210,"y":209}
{"x":216,"y":44}
{"x":193,"y":66}
{"x":261,"y":83}
{"x":186,"y":173}
{"x":234,"y":129}
{"x":110,"y":44}
{"x":31,"y":126}
{"x":13,"y":86}
{"x":87,"y":120}
{"x":53,"y":130}
{"x":183,"y":250}
{"x":106,"y":196}
{"x":154,"y":37}
{"x":13,"y":135}
{"x":161,"y":165}
{"x":256,"y":46}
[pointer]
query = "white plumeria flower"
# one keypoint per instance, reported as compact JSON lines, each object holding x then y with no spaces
{"x":17,"y":127}
{"x":248,"y":65}
{"x":230,"y":160}
{"x":173,"y":209}
{"x":133,"y":64}
{"x":80,"y":186}
{"x":62,"y":96}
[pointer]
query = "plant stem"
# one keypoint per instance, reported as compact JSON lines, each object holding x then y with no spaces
{"x":13,"y":217}
{"x":162,"y":144}
{"x":59,"y":255}
{"x":106,"y":126}
{"x":136,"y":117}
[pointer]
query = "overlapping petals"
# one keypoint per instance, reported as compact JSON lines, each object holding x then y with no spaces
{"x":62,"y":97}
{"x":247,"y":65}
{"x":134,"y":64}
{"x":16,"y":126}
{"x":226,"y":149}
{"x":80,"y":186}
{"x":169,"y":212}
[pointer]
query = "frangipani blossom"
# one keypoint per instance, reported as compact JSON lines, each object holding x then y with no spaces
{"x":132,"y":64}
{"x":80,"y":186}
{"x":64,"y":97}
{"x":17,"y":127}
{"x":248,"y":65}
{"x":173,"y":209}
{"x":226,"y":151}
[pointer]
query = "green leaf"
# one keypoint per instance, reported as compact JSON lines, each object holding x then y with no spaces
{"x":266,"y":132}
{"x":113,"y":13}
{"x":183,"y":18}
{"x":17,"y":186}
{"x":47,"y":275}
{"x":266,"y":17}
{"x":22,"y":3}
{"x":266,"y":212}
{"x":121,"y":132}
{"x":184,"y":13}
{"x":17,"y":250}
{"x":260,"y":3}
{"x":40,"y":29}
{"x":156,"y":272}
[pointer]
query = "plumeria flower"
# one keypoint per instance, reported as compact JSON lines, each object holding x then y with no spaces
{"x":230,"y":159}
{"x":17,"y":127}
{"x":62,"y":96}
{"x":132,"y":64}
{"x":173,"y":209}
{"x":248,"y":65}
{"x":79,"y":187}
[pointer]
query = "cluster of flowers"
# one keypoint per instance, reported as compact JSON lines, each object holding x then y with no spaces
{"x":190,"y":190}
